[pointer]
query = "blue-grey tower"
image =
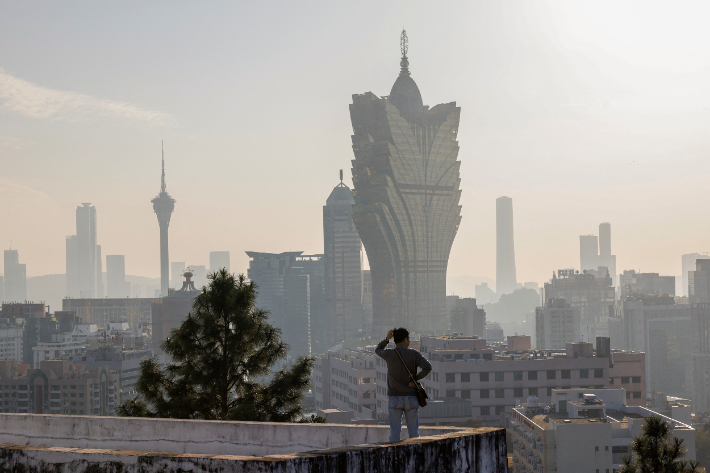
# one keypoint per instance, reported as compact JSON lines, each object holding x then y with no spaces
{"x":163,"y":205}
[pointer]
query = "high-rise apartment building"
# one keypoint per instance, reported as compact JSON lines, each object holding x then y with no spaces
{"x":467,"y":319}
{"x":699,"y":282}
{"x":688,"y":263}
{"x":506,"y":280}
{"x":116,"y":285}
{"x":342,"y":250}
{"x":556,"y":324}
{"x":99,"y":274}
{"x":15,"y":277}
{"x":631,"y":282}
{"x":314,"y":267}
{"x":588,"y":252}
{"x":219,"y":260}
{"x":406,"y":191}
{"x":606,"y":259}
{"x":163,"y":206}
{"x":72,"y":271}
{"x":199,"y":275}
{"x":86,"y":250}
{"x":177,"y":269}
{"x":593,"y":296}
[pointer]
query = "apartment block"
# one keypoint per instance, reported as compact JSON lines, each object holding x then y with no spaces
{"x":346,"y":382}
{"x":556,"y":324}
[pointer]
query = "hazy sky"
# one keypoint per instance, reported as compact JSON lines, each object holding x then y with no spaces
{"x":582,"y":112}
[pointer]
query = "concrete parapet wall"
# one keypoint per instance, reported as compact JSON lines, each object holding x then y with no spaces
{"x":473,"y":450}
{"x":188,"y":436}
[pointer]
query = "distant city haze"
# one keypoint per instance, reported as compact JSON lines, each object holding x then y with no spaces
{"x":581,"y":112}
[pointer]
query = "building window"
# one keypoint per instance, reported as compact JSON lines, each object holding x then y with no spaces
{"x":466,"y":394}
{"x":596,"y":449}
{"x":465,"y":377}
{"x":485,"y":393}
{"x":584,"y":373}
{"x":500,"y":409}
{"x":611,"y":380}
{"x":450,"y":377}
{"x":532,"y":375}
{"x":484,"y":376}
{"x":551,"y":374}
{"x":518,"y":392}
{"x":619,"y":449}
{"x":628,"y":394}
{"x":625,"y":380}
{"x":488,"y":356}
{"x":517,"y":375}
{"x":500,"y":393}
{"x":566,"y":374}
{"x":500,"y":376}
{"x":637,"y":394}
{"x":450,"y":393}
{"x":598,"y":372}
{"x":485,"y":411}
{"x":532,"y":392}
{"x":636,"y":379}
{"x":549,"y":391}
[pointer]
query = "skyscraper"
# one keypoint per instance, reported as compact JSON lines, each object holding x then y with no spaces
{"x":163,"y":205}
{"x":219,"y":260}
{"x":506,"y":280}
{"x":688,"y":264}
{"x":71,"y":268}
{"x":177,"y":269}
{"x":588,"y":252}
{"x":86,"y":269}
{"x":116,"y":285}
{"x":406,"y":192}
{"x":15,"y":277}
{"x":343,"y":268}
{"x":606,"y":259}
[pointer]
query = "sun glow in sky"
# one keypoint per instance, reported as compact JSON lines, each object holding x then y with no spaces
{"x":582,"y":112}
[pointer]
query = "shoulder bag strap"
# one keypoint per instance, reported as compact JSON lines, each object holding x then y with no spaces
{"x":406,"y":367}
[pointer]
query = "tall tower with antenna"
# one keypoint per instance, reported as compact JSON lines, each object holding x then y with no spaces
{"x":163,"y":205}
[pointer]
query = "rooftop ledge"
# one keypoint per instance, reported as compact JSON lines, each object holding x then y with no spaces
{"x":108,"y":444}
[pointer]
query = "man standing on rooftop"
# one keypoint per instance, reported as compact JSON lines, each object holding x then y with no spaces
{"x":401,"y":389}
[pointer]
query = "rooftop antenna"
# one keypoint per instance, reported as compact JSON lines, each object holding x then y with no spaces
{"x":341,"y":176}
{"x":162,"y":179}
{"x":404,"y":47}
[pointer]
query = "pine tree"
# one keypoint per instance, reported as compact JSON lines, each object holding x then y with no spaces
{"x":222,"y":356}
{"x":657,"y":451}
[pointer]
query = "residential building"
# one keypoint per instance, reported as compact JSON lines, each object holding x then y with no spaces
{"x":588,"y":252}
{"x":688,"y":263}
{"x":346,"y":381}
{"x":585,"y":430}
{"x":72,"y":270}
{"x":698,"y":282}
{"x":556,"y":324}
{"x":57,"y":387}
{"x":467,"y":318}
{"x":606,"y":259}
{"x":163,"y":206}
{"x":219,"y":260}
{"x":10,"y":342}
{"x":85,"y":252}
{"x":199,"y":275}
{"x":133,"y":310}
{"x":406,"y":192}
{"x":631,"y":282}
{"x":15,"y":277}
{"x":177,"y":268}
{"x":62,"y":347}
{"x":314,"y":267}
{"x":506,"y":280}
{"x":342,"y":251}
{"x":116,"y":285}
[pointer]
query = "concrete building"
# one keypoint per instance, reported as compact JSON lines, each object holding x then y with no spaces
{"x":588,"y":252}
{"x":556,"y":324}
{"x":342,"y":251}
{"x":466,"y":318}
{"x":585,"y":430}
{"x":506,"y":280}
{"x":133,"y":310}
{"x":163,"y":206}
{"x":631,"y":282}
{"x":406,"y":191}
{"x":15,"y":278}
{"x":86,"y":251}
{"x":2,"y":289}
{"x":62,"y":347}
{"x":169,"y":312}
{"x":57,"y":387}
{"x":698,"y":282}
{"x":72,"y":271}
{"x":367,"y":300}
{"x":606,"y":259}
{"x":177,"y":269}
{"x":116,"y":285}
{"x":199,"y":275}
{"x":346,"y":382}
{"x":219,"y":260}
{"x":10,"y":342}
{"x":485,"y":295}
{"x":688,"y":263}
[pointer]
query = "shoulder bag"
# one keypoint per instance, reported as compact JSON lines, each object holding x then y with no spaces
{"x":421,"y":394}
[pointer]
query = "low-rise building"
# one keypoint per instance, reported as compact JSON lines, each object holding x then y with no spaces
{"x":346,"y":382}
{"x":11,"y":343}
{"x":582,"y":430}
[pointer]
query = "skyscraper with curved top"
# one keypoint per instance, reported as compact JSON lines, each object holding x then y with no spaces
{"x":163,"y":205}
{"x":406,"y":191}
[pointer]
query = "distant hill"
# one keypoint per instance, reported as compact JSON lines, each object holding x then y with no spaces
{"x":51,"y":288}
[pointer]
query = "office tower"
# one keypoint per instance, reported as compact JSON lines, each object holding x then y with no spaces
{"x":177,"y":269}
{"x":588,"y":253}
{"x":199,"y":275}
{"x":284,"y":290}
{"x":594,"y":297}
{"x":314,"y":267}
{"x":406,"y":191}
{"x":71,"y":268}
{"x":163,"y":206}
{"x":343,"y":270}
{"x":556,"y":324}
{"x":116,"y":284}
{"x":506,"y":280}
{"x":15,"y":277}
{"x":467,"y":319}
{"x":99,"y":274}
{"x":698,"y":282}
{"x":688,"y":264}
{"x":650,"y":284}
{"x":86,"y":269}
{"x":219,"y":260}
{"x":606,"y":259}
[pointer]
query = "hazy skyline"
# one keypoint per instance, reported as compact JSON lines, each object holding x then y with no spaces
{"x":581,"y":112}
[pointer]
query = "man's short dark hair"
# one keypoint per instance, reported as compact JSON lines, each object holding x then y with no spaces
{"x":400,"y":335}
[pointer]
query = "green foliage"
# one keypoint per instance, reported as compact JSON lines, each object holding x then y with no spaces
{"x":657,"y":451}
{"x":313,"y":419}
{"x":220,"y":354}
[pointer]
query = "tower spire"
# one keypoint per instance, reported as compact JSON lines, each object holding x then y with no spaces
{"x":404,"y":47}
{"x":162,"y":179}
